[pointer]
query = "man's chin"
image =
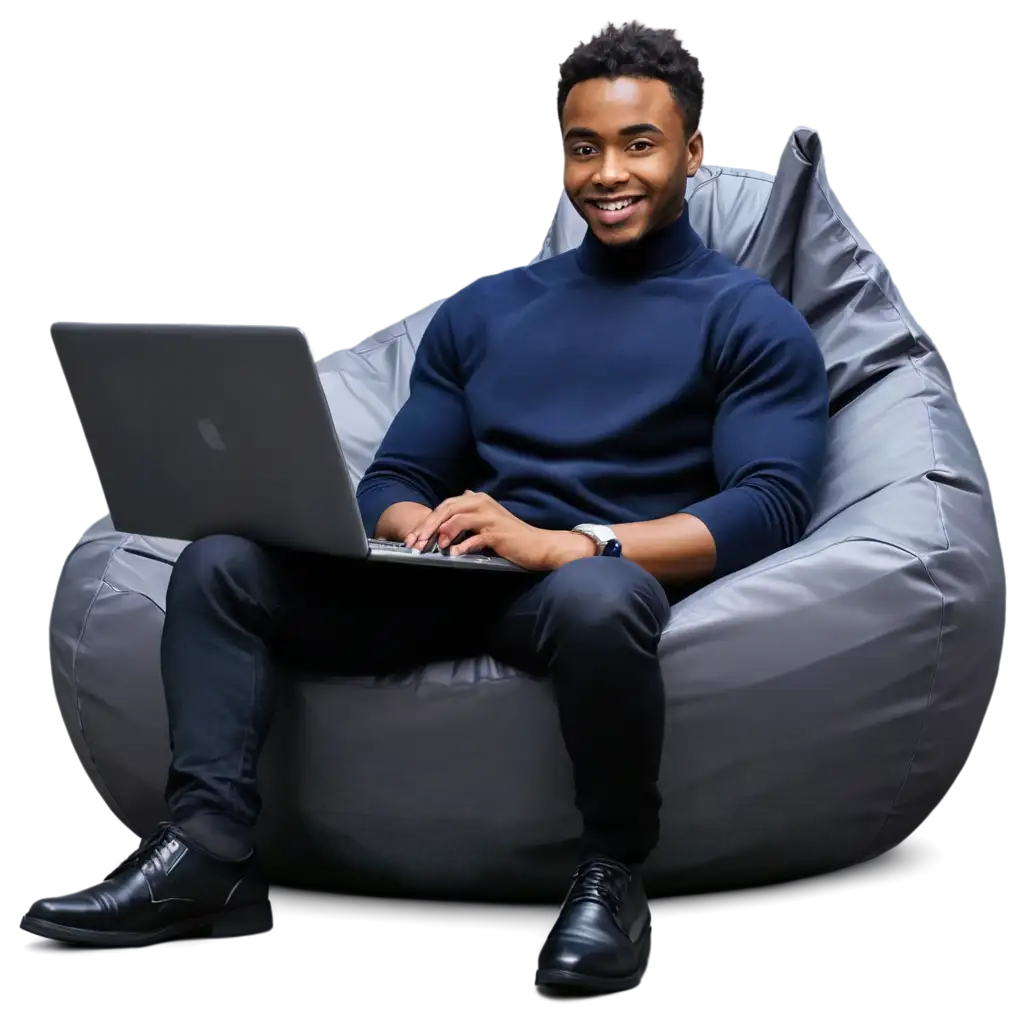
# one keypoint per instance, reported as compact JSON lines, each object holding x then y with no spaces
{"x":628,"y":233}
{"x":618,"y":237}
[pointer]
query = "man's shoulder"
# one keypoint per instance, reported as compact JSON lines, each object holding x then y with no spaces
{"x":746,"y":316}
{"x":490,"y":293}
{"x":728,"y":280}
{"x":480,"y":291}
{"x":741,"y":295}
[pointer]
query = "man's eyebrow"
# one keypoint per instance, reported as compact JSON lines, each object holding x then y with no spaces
{"x":633,"y":129}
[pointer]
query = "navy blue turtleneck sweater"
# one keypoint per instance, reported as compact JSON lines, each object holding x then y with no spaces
{"x":615,"y":385}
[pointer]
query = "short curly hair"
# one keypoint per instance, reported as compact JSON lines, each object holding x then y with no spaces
{"x":635,"y":50}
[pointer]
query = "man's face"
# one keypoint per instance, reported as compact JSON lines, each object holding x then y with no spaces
{"x":625,"y":137}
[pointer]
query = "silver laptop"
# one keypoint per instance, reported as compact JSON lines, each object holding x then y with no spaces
{"x":197,"y":430}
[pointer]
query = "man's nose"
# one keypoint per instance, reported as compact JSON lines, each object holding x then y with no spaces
{"x":612,"y":170}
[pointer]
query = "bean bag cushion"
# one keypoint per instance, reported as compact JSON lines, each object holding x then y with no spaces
{"x":820,"y":702}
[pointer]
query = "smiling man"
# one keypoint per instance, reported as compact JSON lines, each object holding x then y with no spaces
{"x":629,"y":420}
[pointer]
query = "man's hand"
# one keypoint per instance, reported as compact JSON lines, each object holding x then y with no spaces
{"x":492,"y":526}
{"x":398,"y":519}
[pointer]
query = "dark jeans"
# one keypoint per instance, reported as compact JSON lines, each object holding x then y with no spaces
{"x":236,"y":609}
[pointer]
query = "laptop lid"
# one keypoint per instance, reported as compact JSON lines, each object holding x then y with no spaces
{"x":197,"y":430}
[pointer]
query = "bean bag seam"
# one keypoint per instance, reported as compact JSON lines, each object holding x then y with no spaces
{"x":758,"y":570}
{"x":373,"y":344}
{"x":942,"y":619}
{"x":860,"y":266}
{"x":931,"y":438}
{"x":917,"y":744}
{"x":74,"y":673}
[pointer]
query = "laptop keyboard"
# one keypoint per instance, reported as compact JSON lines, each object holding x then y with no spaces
{"x":398,"y":545}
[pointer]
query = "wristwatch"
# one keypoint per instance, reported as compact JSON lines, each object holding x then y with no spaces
{"x":603,"y":536}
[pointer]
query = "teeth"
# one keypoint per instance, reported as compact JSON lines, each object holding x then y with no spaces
{"x":621,"y":205}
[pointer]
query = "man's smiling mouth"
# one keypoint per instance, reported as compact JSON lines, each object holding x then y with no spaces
{"x":615,"y":204}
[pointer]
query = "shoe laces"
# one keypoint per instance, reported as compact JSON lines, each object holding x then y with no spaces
{"x":148,"y":846}
{"x":602,"y":881}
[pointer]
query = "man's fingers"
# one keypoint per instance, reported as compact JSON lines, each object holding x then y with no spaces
{"x":429,"y":526}
{"x":444,"y":511}
{"x":475,"y":542}
{"x":460,"y":522}
{"x":468,"y":501}
{"x":412,"y":537}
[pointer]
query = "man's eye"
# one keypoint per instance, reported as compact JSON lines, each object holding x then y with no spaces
{"x":578,"y":151}
{"x":642,"y":142}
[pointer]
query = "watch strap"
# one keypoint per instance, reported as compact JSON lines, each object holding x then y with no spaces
{"x":603,"y":537}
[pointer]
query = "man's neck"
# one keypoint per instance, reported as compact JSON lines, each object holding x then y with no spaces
{"x":659,"y":250}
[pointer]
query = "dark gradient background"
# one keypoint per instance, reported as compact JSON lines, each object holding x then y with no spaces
{"x":344,"y":165}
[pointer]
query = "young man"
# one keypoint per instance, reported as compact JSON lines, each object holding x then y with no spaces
{"x":629,"y":419}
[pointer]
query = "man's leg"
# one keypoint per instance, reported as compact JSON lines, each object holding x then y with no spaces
{"x":234,"y":611}
{"x":594,"y":627}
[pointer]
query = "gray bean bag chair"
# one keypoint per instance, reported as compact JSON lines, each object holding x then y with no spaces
{"x":820,"y":702}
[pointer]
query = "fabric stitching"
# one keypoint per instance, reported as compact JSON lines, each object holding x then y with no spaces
{"x":248,"y":724}
{"x":370,"y":345}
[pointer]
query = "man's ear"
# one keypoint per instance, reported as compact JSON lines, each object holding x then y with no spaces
{"x":695,"y":153}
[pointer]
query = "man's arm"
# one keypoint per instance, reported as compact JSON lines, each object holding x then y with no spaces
{"x":768,"y":448}
{"x":428,"y":450}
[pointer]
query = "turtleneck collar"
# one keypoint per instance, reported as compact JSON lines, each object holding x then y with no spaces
{"x":672,"y":245}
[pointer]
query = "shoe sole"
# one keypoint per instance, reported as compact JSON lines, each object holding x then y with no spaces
{"x":576,"y":982}
{"x":229,"y":924}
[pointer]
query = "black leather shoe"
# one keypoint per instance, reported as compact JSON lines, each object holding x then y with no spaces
{"x":167,"y":889}
{"x":602,"y":938}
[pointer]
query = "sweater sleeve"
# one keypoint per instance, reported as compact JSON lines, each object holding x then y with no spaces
{"x":429,"y":445}
{"x":769,"y":433}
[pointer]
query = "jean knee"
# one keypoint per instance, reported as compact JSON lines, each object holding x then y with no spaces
{"x":207,"y":562}
{"x":604,"y":595}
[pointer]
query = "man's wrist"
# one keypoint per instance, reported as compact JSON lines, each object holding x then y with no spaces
{"x":568,"y":547}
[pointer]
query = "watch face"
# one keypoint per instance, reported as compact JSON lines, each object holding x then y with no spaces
{"x":613,"y":549}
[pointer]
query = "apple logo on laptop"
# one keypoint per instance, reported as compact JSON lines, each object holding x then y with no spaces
{"x":211,"y":435}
